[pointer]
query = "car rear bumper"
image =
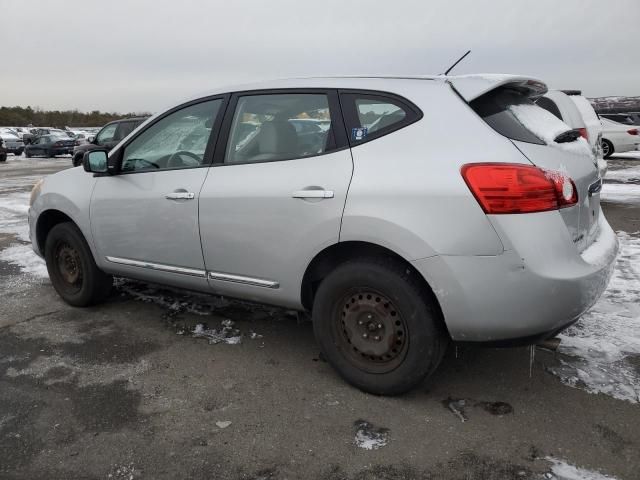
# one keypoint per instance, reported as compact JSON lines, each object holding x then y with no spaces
{"x":532,"y":290}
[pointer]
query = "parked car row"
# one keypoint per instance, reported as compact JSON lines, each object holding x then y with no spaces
{"x":396,"y":236}
{"x":108,"y":137}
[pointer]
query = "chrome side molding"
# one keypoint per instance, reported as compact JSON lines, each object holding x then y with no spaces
{"x":194,"y":272}
{"x":229,"y":277}
{"x":158,"y":266}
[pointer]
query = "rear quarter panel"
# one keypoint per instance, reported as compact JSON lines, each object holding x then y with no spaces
{"x":407,"y":193}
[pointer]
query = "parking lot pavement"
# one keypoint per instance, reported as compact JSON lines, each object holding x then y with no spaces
{"x":125,"y":391}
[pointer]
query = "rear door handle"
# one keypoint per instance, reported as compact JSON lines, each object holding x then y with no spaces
{"x":313,"y":194}
{"x":180,"y":196}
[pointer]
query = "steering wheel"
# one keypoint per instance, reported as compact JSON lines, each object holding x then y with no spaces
{"x":176,"y":160}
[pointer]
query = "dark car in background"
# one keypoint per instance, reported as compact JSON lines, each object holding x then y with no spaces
{"x":3,"y":151}
{"x":50,"y":146}
{"x":108,"y":137}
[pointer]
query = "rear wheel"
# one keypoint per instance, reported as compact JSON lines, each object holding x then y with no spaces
{"x":377,"y":326}
{"x":77,"y":160}
{"x":3,"y":157}
{"x":27,"y":154}
{"x":72,"y":269}
{"x":607,"y":148}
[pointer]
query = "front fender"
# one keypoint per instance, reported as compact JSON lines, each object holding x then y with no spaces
{"x":68,"y":192}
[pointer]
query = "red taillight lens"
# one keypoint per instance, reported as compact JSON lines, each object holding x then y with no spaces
{"x":633,"y":131}
{"x":57,"y":144}
{"x":513,"y":188}
{"x":584,"y":134}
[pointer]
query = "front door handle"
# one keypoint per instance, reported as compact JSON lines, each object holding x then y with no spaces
{"x":313,"y":194}
{"x":180,"y":196}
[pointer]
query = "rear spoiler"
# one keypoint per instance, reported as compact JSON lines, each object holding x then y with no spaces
{"x":471,"y":87}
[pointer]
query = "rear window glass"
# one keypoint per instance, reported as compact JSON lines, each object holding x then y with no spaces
{"x":497,"y":109}
{"x":549,"y":105}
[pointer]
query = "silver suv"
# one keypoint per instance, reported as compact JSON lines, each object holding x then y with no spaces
{"x":401,"y":212}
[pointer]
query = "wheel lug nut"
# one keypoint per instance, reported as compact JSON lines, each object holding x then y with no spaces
{"x":376,"y":338}
{"x":364,"y":335}
{"x":369,"y":316}
{"x":360,"y":322}
{"x":379,"y":326}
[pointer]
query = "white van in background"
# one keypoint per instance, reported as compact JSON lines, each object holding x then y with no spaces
{"x":576,"y":111}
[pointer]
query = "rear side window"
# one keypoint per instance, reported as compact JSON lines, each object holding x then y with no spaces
{"x":369,"y":115}
{"x":549,"y":105}
{"x":497,"y":109}
{"x":124,"y":129}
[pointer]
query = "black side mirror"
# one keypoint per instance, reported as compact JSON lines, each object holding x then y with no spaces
{"x":95,"y":161}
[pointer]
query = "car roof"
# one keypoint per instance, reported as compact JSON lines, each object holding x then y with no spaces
{"x":470,"y":86}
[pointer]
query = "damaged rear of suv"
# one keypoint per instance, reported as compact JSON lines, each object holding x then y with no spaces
{"x":414,"y":212}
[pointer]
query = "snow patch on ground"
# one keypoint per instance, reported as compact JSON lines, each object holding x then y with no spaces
{"x":24,"y":256}
{"x":620,"y":193}
{"x":561,"y":470}
{"x":624,"y":175}
{"x":369,"y":437}
{"x":600,"y":350}
{"x":226,"y":334}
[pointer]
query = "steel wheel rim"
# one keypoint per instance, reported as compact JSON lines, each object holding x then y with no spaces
{"x":371,"y":331}
{"x":69,"y":266}
{"x":605,"y":148}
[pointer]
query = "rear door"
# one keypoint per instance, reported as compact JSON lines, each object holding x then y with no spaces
{"x":533,"y":131}
{"x":275,"y":195}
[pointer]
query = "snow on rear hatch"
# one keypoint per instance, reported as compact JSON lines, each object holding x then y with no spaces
{"x":511,"y":111}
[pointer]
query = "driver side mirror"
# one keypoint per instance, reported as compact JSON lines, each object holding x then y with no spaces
{"x":95,"y":161}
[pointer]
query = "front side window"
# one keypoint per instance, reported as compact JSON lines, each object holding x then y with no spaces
{"x":279,"y":127}
{"x":106,"y":134}
{"x":179,"y":140}
{"x":369,"y":115}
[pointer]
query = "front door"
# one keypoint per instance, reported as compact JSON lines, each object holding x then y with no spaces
{"x":144,"y":219}
{"x":275,"y":195}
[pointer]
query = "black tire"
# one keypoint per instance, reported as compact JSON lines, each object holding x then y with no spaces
{"x":77,"y":160}
{"x":408,"y":339}
{"x":607,"y":148}
{"x":72,"y":269}
{"x":27,"y":154}
{"x":3,"y":157}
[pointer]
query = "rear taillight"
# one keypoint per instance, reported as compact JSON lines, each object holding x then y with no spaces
{"x":514,"y":188}
{"x":584,"y":134}
{"x":633,"y":131}
{"x":57,"y":144}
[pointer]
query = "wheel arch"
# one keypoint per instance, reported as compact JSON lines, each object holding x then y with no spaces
{"x":46,"y":221}
{"x":332,"y":256}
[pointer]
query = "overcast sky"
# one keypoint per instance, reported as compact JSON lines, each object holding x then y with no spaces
{"x":142,"y":55}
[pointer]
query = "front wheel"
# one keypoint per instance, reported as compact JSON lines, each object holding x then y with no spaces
{"x":72,"y":269}
{"x":377,"y":326}
{"x":607,"y":148}
{"x":3,"y":157}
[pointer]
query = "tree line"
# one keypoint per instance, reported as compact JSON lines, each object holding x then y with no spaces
{"x":22,"y":117}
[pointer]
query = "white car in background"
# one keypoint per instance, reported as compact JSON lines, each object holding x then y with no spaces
{"x":576,"y":111}
{"x":12,"y":142}
{"x":618,"y":137}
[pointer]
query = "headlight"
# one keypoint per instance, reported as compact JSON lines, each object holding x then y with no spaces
{"x":35,"y":191}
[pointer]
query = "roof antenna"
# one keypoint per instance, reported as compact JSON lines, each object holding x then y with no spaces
{"x":459,"y":60}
